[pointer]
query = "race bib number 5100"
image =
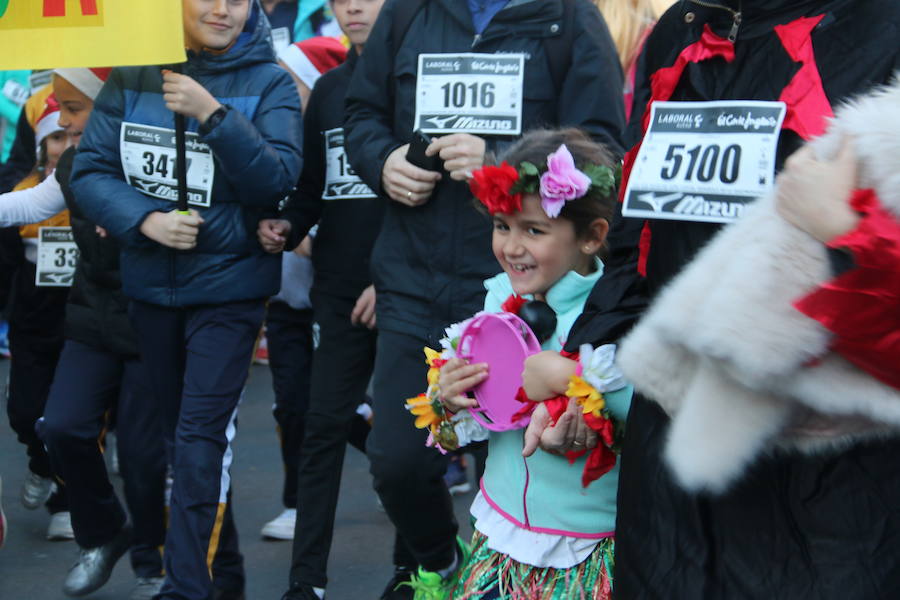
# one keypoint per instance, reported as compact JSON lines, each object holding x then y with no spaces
{"x":704,"y":161}
{"x":148,"y":161}
{"x":471,"y":93}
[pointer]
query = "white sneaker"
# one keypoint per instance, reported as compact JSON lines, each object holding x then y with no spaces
{"x":282,"y":526}
{"x":36,"y":490}
{"x":60,"y":527}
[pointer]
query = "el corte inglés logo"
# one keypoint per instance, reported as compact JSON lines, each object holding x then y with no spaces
{"x":44,"y":14}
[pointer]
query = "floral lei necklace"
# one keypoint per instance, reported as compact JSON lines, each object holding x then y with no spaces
{"x":500,"y":188}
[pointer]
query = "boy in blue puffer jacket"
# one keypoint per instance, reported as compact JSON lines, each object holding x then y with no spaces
{"x":198,"y":281}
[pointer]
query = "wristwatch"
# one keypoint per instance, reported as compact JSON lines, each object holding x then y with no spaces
{"x":214,"y":119}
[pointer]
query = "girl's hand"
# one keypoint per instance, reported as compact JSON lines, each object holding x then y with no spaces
{"x":185,"y":96}
{"x":569,"y":434}
{"x":457,"y":377}
{"x":547,"y":375}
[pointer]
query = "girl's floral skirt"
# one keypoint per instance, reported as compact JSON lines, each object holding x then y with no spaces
{"x":489,"y":575}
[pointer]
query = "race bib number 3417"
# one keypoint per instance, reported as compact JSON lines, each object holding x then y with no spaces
{"x":472,"y":93}
{"x":704,"y":161}
{"x":148,"y":161}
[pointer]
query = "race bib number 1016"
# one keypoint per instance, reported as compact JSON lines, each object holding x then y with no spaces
{"x":471,"y":93}
{"x":704,"y":161}
{"x":148,"y":161}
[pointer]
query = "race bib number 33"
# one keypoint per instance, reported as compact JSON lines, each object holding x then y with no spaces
{"x":472,"y":93}
{"x":704,"y":161}
{"x":57,"y":257}
{"x":148,"y":161}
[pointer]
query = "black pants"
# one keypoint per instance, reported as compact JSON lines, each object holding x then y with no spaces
{"x":198,"y":358}
{"x":89,"y":383}
{"x":409,"y":475}
{"x":290,"y":338}
{"x":35,"y":341}
{"x":342,"y":366}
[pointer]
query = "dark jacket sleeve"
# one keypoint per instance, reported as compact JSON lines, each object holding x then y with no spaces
{"x":304,"y":207}
{"x":591,"y":96}
{"x":370,"y":104}
{"x":262,"y":159}
{"x":21,"y":156}
{"x":97,"y":180}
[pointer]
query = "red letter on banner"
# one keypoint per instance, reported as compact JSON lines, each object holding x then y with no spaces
{"x":57,"y":8}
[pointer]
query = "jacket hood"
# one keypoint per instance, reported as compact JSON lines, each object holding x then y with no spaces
{"x":253,"y":45}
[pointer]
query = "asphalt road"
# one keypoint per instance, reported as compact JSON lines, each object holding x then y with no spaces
{"x":32,"y":568}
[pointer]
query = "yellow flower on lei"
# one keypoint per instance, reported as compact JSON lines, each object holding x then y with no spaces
{"x":433,"y":372}
{"x":422,"y":408}
{"x":590,"y":400}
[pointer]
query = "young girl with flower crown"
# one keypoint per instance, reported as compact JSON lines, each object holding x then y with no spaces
{"x":544,"y":523}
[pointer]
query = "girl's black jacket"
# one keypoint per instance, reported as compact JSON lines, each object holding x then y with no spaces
{"x":823,"y":527}
{"x":348,"y":227}
{"x":97,"y":310}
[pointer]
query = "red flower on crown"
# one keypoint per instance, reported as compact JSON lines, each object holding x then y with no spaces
{"x":492,"y":185}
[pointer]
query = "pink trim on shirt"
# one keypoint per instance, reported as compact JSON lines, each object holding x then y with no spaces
{"x":517,"y":523}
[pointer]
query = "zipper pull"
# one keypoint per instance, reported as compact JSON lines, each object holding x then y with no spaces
{"x":476,"y":39}
{"x":735,"y":27}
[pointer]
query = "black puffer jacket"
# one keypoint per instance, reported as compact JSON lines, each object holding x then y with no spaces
{"x":795,"y":526}
{"x":429,"y":262}
{"x":97,"y":310}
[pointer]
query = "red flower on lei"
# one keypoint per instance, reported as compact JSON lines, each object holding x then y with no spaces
{"x":492,"y":185}
{"x":513,"y":304}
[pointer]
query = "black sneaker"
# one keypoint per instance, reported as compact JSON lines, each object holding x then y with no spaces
{"x":395,"y":590}
{"x":299,"y":591}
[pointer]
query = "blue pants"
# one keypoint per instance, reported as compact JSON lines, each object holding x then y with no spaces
{"x":198,"y":358}
{"x":88,"y":385}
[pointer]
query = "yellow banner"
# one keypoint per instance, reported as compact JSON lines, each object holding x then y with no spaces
{"x":47,"y":34}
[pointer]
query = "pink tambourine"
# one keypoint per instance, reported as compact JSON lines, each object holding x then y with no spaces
{"x":503,"y":341}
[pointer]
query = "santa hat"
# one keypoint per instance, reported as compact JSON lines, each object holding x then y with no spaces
{"x":312,"y":57}
{"x":88,"y":81}
{"x":48,"y":122}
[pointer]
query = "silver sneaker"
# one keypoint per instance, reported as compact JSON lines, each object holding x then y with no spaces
{"x":36,"y":490}
{"x":95,"y":565}
{"x":146,"y":587}
{"x":60,"y":527}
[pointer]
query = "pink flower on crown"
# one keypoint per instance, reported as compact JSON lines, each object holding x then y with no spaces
{"x":561,"y":182}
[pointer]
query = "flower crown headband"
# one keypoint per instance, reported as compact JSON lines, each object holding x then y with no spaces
{"x":500,"y":188}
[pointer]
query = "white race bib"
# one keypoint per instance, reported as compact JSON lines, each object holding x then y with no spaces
{"x":281,"y":38}
{"x":57,"y":256}
{"x":704,"y":161}
{"x":148,"y":161}
{"x":341,"y":181}
{"x":472,"y":93}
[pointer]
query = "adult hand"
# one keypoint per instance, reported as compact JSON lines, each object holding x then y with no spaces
{"x":363,"y":312}
{"x":462,"y":153}
{"x":569,"y":433}
{"x":185,"y":96}
{"x":272,"y":234}
{"x":814,"y":195}
{"x":173,"y":229}
{"x":406,"y":183}
{"x":458,"y":377}
{"x":547,"y":375}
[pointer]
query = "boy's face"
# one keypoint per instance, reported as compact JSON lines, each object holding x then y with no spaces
{"x":356,"y":18}
{"x":214,"y":24}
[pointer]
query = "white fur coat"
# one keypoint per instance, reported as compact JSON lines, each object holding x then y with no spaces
{"x":724,"y":352}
